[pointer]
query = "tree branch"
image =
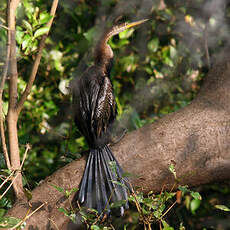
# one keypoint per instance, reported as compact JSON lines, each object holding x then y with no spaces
{"x":37,"y":60}
{"x":15,"y":106}
{"x":12,"y":116}
{"x":2,"y":129}
{"x":12,"y":6}
{"x":196,"y":138}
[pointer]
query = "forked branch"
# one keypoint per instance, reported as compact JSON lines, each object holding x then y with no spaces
{"x":37,"y":61}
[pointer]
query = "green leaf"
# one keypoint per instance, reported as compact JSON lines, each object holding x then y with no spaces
{"x":149,"y":70}
{"x":153,"y":45}
{"x":28,"y":193}
{"x":169,"y":195}
{"x":95,"y":227}
{"x":69,"y":192}
{"x":63,"y":86}
{"x":172,"y":170}
{"x":29,"y":8}
{"x":145,"y":211}
{"x":44,"y":17}
{"x":66,"y":213}
{"x":2,"y":212}
{"x":196,"y":195}
{"x":27,"y":26}
{"x":222,"y":207}
{"x":126,"y":33}
{"x":90,"y":35}
{"x":26,"y":41}
{"x":183,"y":189}
{"x":182,"y":227}
{"x":41,"y":31}
{"x":59,"y":189}
{"x":19,"y":36}
{"x":118,"y":203}
{"x":168,"y":61}
{"x":9,"y":222}
{"x":194,"y":205}
{"x":6,"y":171}
{"x":166,"y":226}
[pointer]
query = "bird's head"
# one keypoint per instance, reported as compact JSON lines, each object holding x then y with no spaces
{"x":103,"y":52}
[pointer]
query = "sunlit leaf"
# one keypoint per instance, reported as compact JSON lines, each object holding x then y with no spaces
{"x":95,"y":227}
{"x":126,"y":33}
{"x":44,"y":17}
{"x":19,"y":36}
{"x":222,"y":207}
{"x":172,"y":170}
{"x":26,"y":41}
{"x":63,"y":86}
{"x":27,"y":26}
{"x":196,"y":195}
{"x":194,"y":205}
{"x":166,"y":226}
{"x":41,"y":31}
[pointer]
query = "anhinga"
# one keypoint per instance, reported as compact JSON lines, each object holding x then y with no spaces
{"x":95,"y":109}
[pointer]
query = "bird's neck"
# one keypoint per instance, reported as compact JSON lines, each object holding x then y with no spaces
{"x":104,"y":57}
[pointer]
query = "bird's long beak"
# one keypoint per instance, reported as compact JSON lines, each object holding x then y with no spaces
{"x":132,"y":24}
{"x":119,"y":28}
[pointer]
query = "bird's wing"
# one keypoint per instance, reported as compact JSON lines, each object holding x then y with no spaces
{"x":105,"y":108}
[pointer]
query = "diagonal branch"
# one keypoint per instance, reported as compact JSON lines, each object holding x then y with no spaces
{"x":195,"y":138}
{"x":37,"y":61}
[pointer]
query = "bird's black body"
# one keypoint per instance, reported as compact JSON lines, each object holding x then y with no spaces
{"x":94,"y":106}
{"x":95,"y":109}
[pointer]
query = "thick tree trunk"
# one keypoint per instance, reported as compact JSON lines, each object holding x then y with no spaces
{"x":196,"y":138}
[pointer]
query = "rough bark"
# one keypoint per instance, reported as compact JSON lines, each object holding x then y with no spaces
{"x":196,"y":138}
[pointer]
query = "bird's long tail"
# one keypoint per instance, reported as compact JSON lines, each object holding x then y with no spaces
{"x":102,"y":182}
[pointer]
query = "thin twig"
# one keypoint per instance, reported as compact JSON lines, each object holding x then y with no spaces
{"x":5,"y":27}
{"x":37,"y":61}
{"x":168,"y":209}
{"x":54,"y":224}
{"x":7,"y":179}
{"x":17,"y":173}
{"x":112,"y":227}
{"x":28,"y":147}
{"x":28,"y":216}
{"x":22,"y":221}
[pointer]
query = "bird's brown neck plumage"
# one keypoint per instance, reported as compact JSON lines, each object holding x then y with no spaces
{"x":104,"y":53}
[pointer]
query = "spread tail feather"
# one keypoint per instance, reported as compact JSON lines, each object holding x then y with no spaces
{"x":97,"y":188}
